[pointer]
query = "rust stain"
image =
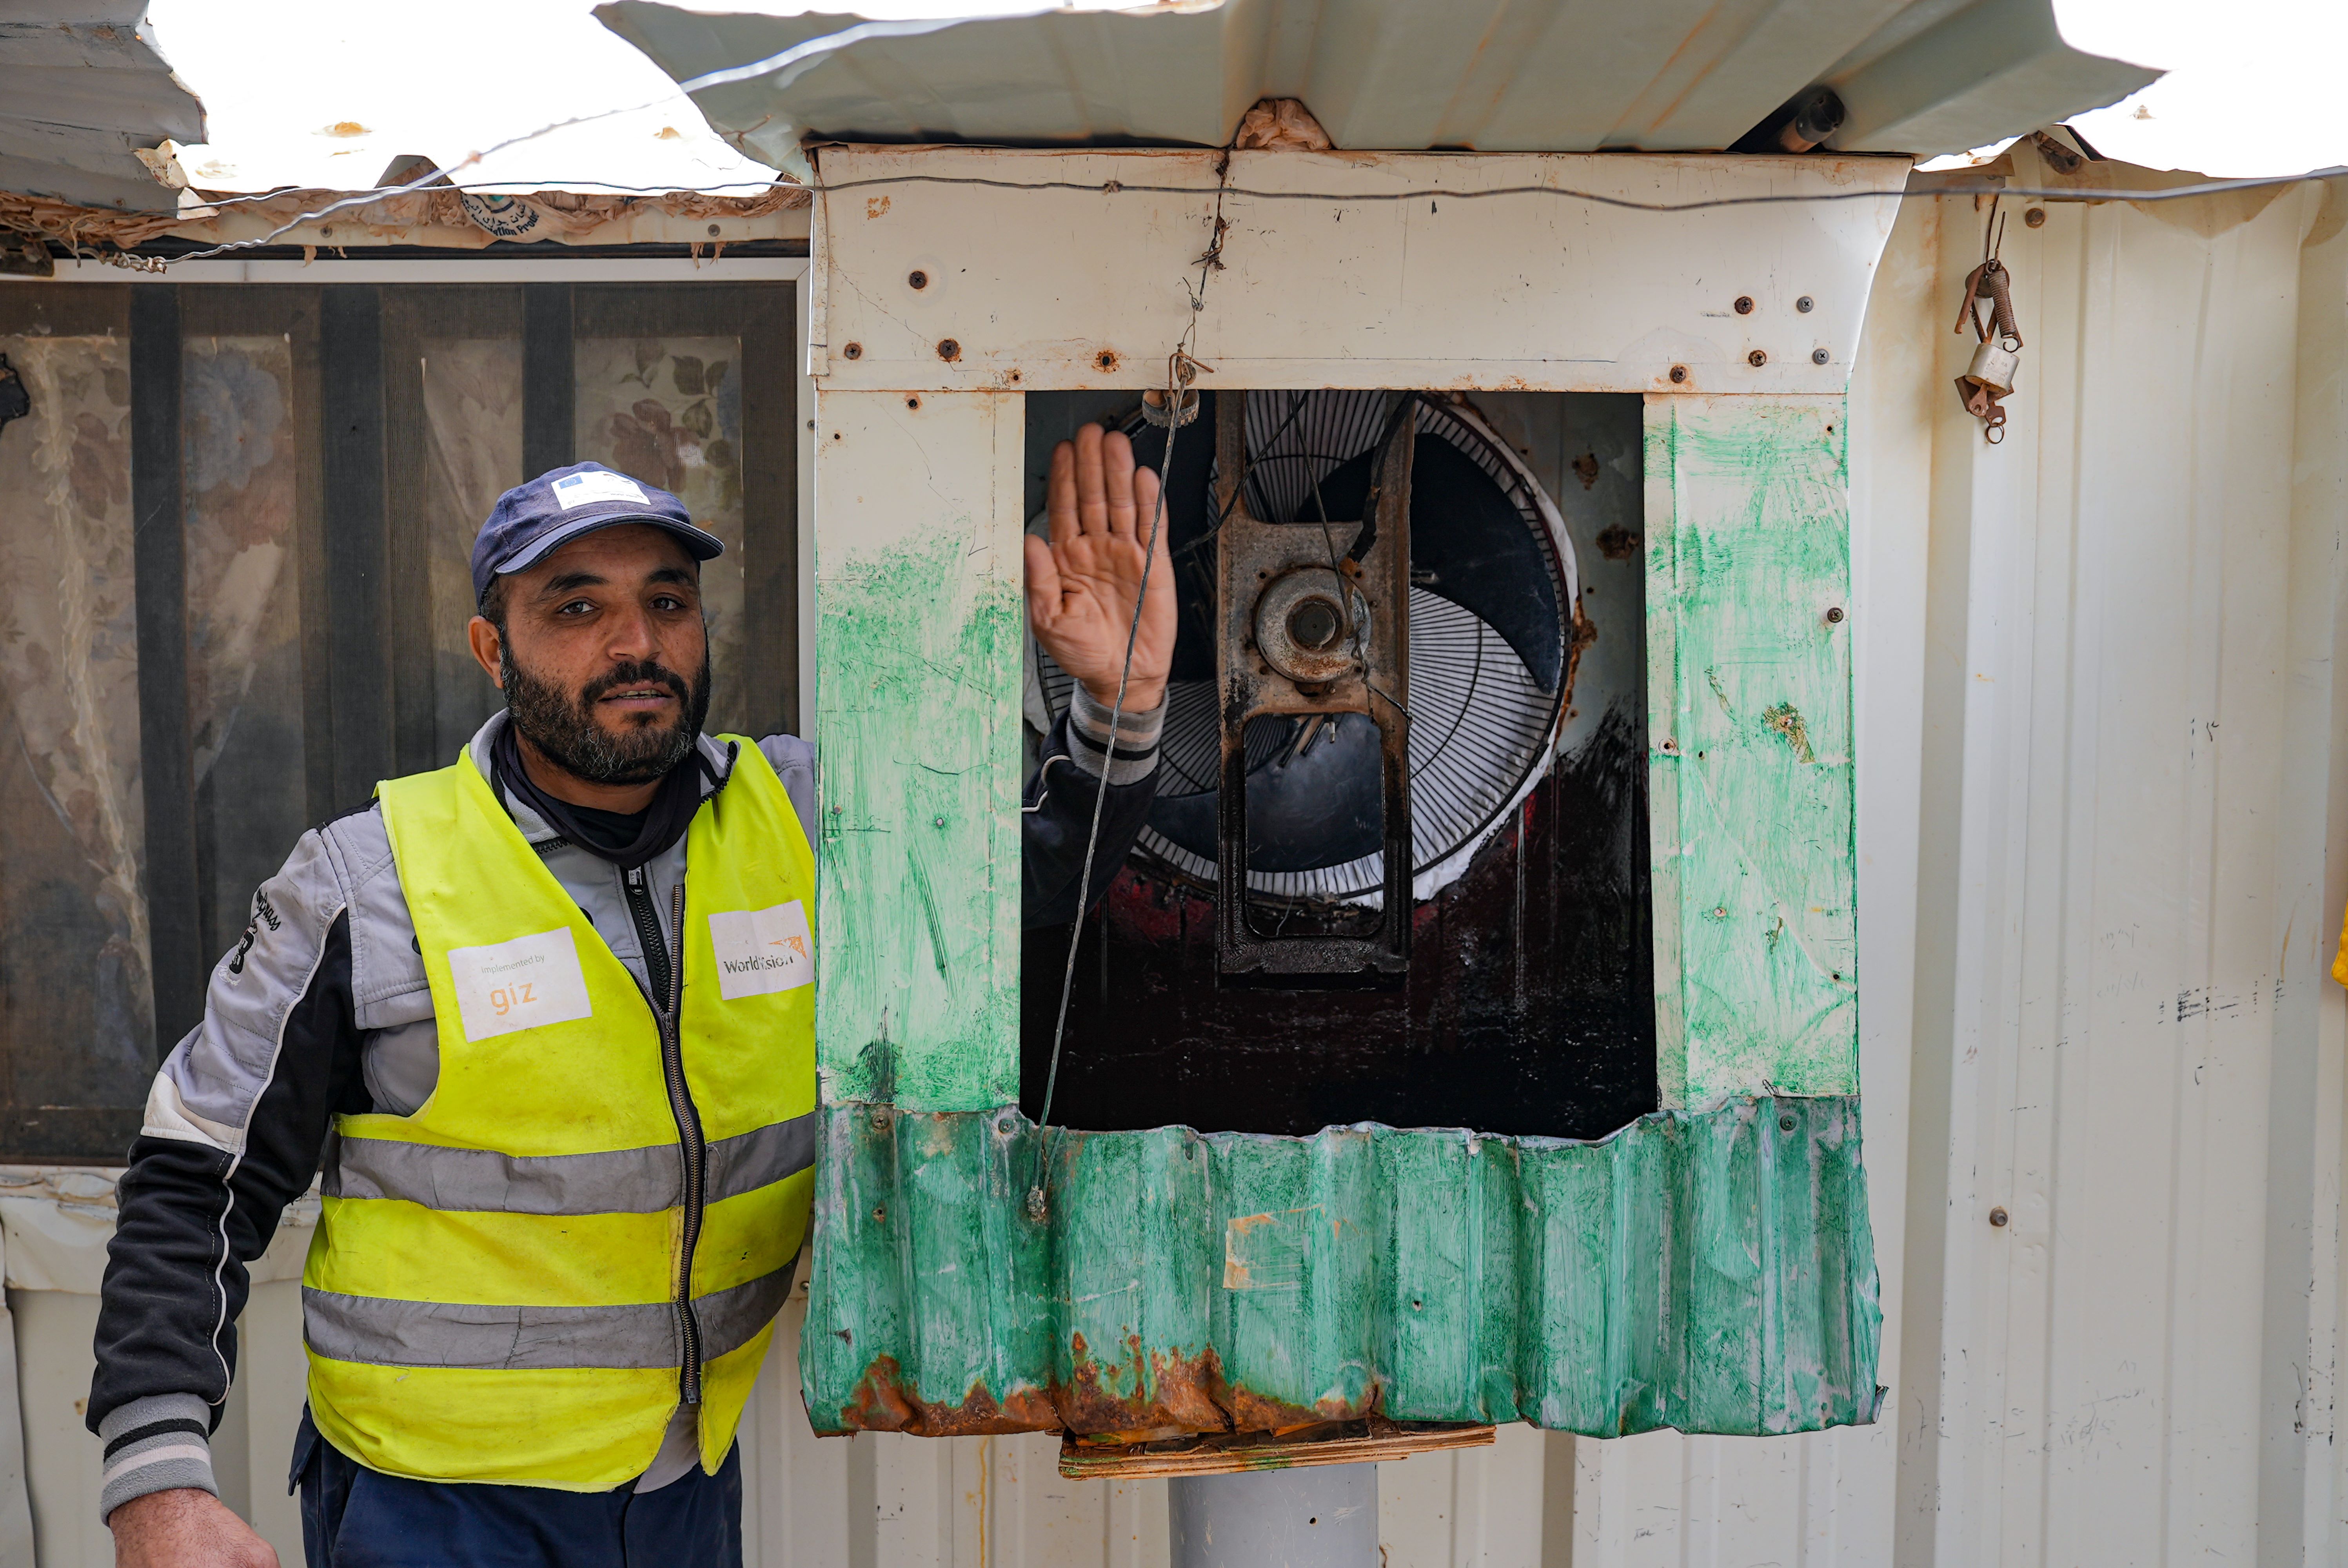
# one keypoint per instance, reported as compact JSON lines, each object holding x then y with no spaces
{"x":1617,"y":543}
{"x":1252,"y":1412}
{"x":1179,"y":1395}
{"x":874,"y":206}
{"x":1786,"y":720}
{"x":883,"y":1402}
{"x":1185,"y":1393}
{"x":1585,"y":468}
{"x":1236,"y":1274}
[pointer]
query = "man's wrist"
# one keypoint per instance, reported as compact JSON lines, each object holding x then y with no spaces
{"x":160,"y":1443}
{"x":1134,"y":755}
{"x":1140,"y":696}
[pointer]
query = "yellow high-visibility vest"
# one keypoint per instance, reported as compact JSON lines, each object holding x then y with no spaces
{"x":520,"y":1282}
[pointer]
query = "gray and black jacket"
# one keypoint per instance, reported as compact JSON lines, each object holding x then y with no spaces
{"x":322,"y":1008}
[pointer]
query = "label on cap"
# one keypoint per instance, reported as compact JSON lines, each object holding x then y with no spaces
{"x":574,"y":491}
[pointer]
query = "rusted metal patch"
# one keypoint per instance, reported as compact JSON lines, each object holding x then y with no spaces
{"x":439,"y":216}
{"x":1186,"y":1393}
{"x":1266,"y":1251}
{"x":1189,"y":1396}
{"x":882,"y":1403}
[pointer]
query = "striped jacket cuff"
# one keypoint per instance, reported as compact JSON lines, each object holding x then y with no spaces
{"x":156,"y":1444}
{"x":1136,"y":737}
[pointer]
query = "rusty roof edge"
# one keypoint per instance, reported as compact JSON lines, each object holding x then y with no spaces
{"x":439,"y":217}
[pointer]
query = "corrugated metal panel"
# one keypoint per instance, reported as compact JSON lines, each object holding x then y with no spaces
{"x":1924,"y":78}
{"x":1665,"y":1501}
{"x":84,"y":85}
{"x":1707,"y":1271}
{"x":2136,"y":846}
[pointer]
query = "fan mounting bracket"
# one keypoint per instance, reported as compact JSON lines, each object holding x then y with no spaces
{"x":1314,"y":619}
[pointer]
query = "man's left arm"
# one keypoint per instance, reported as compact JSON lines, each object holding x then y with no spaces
{"x":1105,"y":552}
{"x":1057,"y":811}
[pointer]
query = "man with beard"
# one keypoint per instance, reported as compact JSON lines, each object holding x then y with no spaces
{"x":565,"y":1111}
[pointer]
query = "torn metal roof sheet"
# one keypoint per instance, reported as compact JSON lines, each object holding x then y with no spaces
{"x":83,"y":90}
{"x":1919,"y":76}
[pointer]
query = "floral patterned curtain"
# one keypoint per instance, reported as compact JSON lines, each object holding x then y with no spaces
{"x":238,"y":467}
{"x":72,"y":817}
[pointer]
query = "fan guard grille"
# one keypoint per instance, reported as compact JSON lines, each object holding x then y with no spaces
{"x":1481,"y":726}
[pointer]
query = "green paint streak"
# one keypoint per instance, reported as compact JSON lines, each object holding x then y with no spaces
{"x":1711,"y":1272}
{"x":918,"y":729}
{"x":1754,"y":798}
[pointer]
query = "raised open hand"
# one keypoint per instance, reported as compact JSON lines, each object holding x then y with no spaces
{"x":1081,"y":586}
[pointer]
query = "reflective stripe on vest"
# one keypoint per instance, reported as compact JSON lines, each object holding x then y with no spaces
{"x":621,"y":1182}
{"x":492,"y":1292}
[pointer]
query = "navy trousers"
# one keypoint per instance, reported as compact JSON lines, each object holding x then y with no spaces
{"x":353,"y":1517}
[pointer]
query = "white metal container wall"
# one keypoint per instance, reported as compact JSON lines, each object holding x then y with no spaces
{"x":2103,"y":855}
{"x":2124,"y":1035}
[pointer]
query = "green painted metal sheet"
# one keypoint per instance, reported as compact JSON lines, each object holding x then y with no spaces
{"x":1711,"y":1272}
{"x":918,"y":875}
{"x":1749,"y":735}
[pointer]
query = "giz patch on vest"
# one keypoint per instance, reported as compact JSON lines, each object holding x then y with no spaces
{"x":762,"y":950}
{"x":524,"y":984}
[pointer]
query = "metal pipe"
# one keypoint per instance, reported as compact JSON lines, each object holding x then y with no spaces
{"x":1325,"y":1516}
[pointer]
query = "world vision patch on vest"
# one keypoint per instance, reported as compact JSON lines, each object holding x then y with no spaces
{"x":524,"y":984}
{"x":761,"y":951}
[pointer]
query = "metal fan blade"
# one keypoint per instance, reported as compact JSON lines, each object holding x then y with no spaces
{"x":1467,"y":544}
{"x":1314,"y":804}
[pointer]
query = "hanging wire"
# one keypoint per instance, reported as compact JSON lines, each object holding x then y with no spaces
{"x":1180,"y":370}
{"x":1177,"y":383}
{"x":1223,"y":190}
{"x":1702,"y":203}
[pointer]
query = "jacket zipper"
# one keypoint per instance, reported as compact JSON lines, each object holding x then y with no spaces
{"x":667,"y":1010}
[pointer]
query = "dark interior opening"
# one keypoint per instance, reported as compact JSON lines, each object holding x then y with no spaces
{"x":1527,"y":1006}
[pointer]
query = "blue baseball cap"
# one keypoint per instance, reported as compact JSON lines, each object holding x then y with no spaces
{"x":533,"y":521}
